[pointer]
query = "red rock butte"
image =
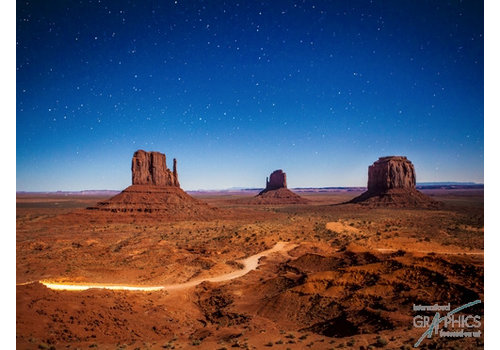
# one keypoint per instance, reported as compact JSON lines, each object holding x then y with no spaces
{"x":276,"y":180}
{"x":392,"y":183}
{"x":276,"y":191}
{"x":155,"y":189}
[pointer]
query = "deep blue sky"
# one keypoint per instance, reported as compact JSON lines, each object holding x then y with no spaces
{"x":237,"y":89}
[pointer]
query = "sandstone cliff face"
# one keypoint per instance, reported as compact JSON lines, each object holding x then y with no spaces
{"x":392,"y":183}
{"x":150,"y":168}
{"x":391,"y":172}
{"x":276,"y":180}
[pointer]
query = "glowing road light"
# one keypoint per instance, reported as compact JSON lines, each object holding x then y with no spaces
{"x":80,"y":287}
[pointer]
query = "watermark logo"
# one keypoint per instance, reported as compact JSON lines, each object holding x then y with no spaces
{"x":449,"y":325}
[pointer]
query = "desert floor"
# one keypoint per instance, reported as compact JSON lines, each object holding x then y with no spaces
{"x":348,"y":278}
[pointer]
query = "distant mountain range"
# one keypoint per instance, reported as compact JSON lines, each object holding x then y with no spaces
{"x":420,"y":185}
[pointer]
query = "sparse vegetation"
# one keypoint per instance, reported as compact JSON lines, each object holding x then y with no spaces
{"x":46,"y":346}
{"x":381,"y":342}
{"x":343,"y":264}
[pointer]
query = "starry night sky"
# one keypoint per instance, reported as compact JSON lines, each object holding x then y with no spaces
{"x":237,"y":89}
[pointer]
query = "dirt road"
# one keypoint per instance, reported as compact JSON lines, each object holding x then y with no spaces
{"x":249,"y":264}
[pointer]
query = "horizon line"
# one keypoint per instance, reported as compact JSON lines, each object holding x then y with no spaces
{"x":237,"y":188}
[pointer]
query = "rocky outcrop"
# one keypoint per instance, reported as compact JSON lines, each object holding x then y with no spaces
{"x":155,"y":189}
{"x":276,"y":191}
{"x":276,"y":180}
{"x":150,"y":168}
{"x":392,"y":182}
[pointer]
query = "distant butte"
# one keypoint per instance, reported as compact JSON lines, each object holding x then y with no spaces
{"x":276,"y":191}
{"x":155,"y":189}
{"x":392,"y":183}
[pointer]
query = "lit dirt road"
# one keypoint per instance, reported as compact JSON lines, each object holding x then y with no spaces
{"x":249,"y":264}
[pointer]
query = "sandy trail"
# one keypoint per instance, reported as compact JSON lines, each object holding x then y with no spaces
{"x":249,"y":264}
{"x":338,"y":226}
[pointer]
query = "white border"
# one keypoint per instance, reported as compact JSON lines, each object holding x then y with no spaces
{"x":8,"y":175}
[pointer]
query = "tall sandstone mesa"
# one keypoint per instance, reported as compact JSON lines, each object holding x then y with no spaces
{"x":391,"y":172}
{"x":392,"y":182}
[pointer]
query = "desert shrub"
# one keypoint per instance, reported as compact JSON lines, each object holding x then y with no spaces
{"x":381,"y":341}
{"x":46,"y":346}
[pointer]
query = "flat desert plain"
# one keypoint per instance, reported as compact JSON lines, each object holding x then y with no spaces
{"x":321,"y":275}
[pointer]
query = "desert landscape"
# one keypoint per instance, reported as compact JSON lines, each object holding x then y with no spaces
{"x":154,"y":267}
{"x":223,"y":175}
